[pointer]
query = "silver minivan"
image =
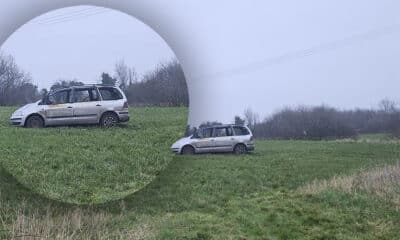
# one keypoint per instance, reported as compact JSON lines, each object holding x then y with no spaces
{"x":88,"y":104}
{"x":219,"y":138}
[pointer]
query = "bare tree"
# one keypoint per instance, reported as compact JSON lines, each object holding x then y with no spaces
{"x":15,"y":85}
{"x":125,"y":76}
{"x":132,"y":76}
{"x":388,"y":106}
{"x":121,"y":74}
{"x":251,"y":118}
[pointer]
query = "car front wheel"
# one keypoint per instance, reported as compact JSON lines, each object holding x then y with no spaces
{"x":34,"y":122}
{"x":188,"y":150}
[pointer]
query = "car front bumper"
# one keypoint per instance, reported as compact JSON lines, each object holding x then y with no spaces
{"x":16,"y":121}
{"x":175,"y":150}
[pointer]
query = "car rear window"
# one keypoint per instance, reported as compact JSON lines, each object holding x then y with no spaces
{"x":110,"y":94}
{"x":241,"y":131}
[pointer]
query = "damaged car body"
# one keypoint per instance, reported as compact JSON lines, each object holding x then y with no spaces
{"x":88,"y":104}
{"x":219,"y":138}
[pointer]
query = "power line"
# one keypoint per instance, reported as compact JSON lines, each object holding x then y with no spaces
{"x":290,"y":56}
{"x":55,"y":17}
{"x":72,"y":17}
{"x":80,"y":17}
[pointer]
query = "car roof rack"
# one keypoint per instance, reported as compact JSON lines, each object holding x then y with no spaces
{"x":103,"y":85}
{"x":93,"y":85}
{"x":81,"y":86}
{"x":221,"y":125}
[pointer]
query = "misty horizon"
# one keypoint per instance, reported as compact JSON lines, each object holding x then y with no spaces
{"x":274,"y":56}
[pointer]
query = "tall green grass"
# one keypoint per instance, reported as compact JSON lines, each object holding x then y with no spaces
{"x":255,"y":196}
{"x":89,"y":164}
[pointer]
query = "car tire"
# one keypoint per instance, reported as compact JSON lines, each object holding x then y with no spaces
{"x":240,"y":149}
{"x":188,"y":150}
{"x":109,"y":120}
{"x":34,"y":121}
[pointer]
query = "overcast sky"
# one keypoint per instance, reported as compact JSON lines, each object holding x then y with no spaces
{"x":260,"y":54}
{"x":82,"y":42}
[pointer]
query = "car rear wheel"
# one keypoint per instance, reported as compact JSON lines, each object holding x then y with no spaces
{"x":240,"y":149}
{"x":34,"y":122}
{"x":109,"y":120}
{"x":188,"y":150}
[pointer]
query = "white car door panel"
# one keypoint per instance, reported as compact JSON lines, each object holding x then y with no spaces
{"x":86,"y":112}
{"x":224,"y":139}
{"x":86,"y":106}
{"x":58,"y":114}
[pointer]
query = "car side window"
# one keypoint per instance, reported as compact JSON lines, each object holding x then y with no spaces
{"x":81,"y":95}
{"x":94,"y":95}
{"x":229,"y":131}
{"x":241,"y":131}
{"x":108,"y":93}
{"x":60,"y":97}
{"x":223,"y":132}
{"x":220,"y":132}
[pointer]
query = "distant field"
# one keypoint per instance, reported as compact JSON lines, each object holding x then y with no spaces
{"x":284,"y":190}
{"x":377,"y":137}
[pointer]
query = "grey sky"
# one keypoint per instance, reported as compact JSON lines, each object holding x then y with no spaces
{"x":217,"y":36}
{"x":355,"y":75}
{"x":82,"y":42}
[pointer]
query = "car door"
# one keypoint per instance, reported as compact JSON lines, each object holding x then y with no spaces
{"x":224,"y":139}
{"x":86,"y":105}
{"x":205,"y":142}
{"x":58,"y":110}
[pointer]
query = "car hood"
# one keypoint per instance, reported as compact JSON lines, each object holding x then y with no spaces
{"x":28,"y":108}
{"x":182,"y":142}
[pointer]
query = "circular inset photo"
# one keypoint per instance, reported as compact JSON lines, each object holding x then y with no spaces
{"x":91,"y":100}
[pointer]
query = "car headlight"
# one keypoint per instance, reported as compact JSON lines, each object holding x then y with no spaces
{"x":17,"y":114}
{"x":175,"y":145}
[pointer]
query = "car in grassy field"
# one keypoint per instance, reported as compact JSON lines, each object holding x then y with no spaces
{"x":87,"y":104}
{"x":219,"y":138}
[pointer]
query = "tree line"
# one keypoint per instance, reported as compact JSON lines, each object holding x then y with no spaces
{"x":323,"y":122}
{"x":16,"y":86}
{"x":318,"y":122}
{"x":165,"y":85}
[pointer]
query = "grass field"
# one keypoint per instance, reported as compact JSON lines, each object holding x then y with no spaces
{"x":383,"y":137}
{"x":90,"y":164}
{"x":284,"y":190}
